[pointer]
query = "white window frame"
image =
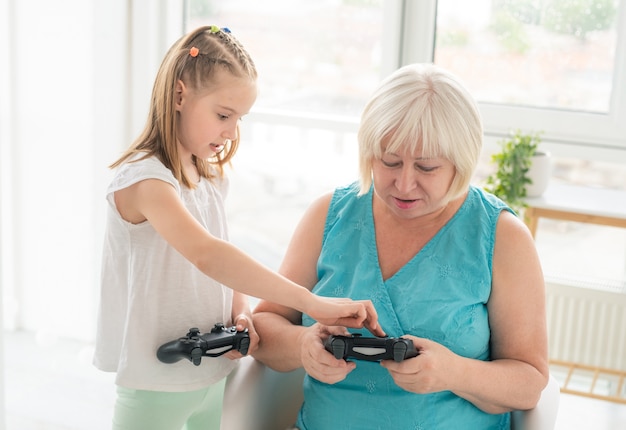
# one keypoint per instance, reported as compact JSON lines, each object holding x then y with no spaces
{"x":591,"y":136}
{"x":410,"y":29}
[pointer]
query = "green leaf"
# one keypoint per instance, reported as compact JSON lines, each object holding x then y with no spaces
{"x":509,"y":180}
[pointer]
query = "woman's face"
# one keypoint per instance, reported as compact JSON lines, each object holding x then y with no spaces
{"x":411,"y":185}
{"x":207,"y":120}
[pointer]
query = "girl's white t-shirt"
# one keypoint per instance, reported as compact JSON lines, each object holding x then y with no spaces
{"x":150,"y":294}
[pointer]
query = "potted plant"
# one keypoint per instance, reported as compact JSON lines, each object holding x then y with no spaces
{"x":521,"y":170}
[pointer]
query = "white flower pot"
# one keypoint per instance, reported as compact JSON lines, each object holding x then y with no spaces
{"x":539,"y":173}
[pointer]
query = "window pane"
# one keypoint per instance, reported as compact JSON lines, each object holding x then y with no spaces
{"x":321,"y":57}
{"x":552,"y":53}
{"x":318,"y":56}
{"x":581,"y":253}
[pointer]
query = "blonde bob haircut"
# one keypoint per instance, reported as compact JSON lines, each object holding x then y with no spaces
{"x":422,"y":107}
{"x":197,"y":59}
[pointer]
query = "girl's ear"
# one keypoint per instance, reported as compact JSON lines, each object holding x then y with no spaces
{"x":179,"y":95}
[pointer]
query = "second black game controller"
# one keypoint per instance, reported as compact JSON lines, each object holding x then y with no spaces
{"x":194,"y":345}
{"x":371,"y":348}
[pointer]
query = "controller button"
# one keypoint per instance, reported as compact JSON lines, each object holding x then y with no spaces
{"x":244,"y":345}
{"x":196,"y":356}
{"x":399,"y":351}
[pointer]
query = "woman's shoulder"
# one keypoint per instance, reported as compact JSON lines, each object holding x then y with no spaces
{"x":478,"y":196}
{"x":346,"y":202}
{"x":507,"y":220}
{"x":345,"y":194}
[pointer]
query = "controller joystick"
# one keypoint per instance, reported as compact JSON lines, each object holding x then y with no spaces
{"x":194,"y":345}
{"x":371,"y":348}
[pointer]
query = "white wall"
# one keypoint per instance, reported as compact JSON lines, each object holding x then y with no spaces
{"x":58,"y":152}
{"x":75,"y":82}
{"x":80,"y":75}
{"x":52,"y":173}
{"x":5,"y":121}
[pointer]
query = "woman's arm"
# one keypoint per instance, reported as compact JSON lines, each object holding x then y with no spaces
{"x":518,"y":369}
{"x":517,"y":317}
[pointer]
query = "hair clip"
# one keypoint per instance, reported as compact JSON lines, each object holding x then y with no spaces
{"x":194,"y":51}
{"x":216,"y":29}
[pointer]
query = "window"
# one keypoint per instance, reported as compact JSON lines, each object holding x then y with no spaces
{"x":321,"y":57}
{"x":554,"y":54}
{"x":317,"y":63}
{"x":557,"y":67}
{"x":553,"y":67}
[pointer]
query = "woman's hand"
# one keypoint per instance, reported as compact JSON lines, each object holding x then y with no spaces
{"x":244,"y":321}
{"x":430,"y":372}
{"x":316,"y":360}
{"x":345,"y":312}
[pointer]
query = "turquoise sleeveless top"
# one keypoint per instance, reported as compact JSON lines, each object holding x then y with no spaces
{"x":440,"y":294}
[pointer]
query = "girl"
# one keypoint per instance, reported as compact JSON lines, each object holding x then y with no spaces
{"x":167,"y":262}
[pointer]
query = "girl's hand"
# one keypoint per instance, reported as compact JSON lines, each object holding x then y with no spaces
{"x":345,"y":312}
{"x":243,"y":321}
{"x":431,"y":371}
{"x":316,"y":360}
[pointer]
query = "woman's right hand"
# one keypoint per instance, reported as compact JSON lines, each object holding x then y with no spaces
{"x":316,"y":360}
{"x":345,"y":312}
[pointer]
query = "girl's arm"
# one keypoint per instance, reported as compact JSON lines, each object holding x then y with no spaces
{"x":157,"y":202}
{"x":242,"y":315}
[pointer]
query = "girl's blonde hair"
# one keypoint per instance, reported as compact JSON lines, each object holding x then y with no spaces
{"x":216,"y":49}
{"x":422,"y":106}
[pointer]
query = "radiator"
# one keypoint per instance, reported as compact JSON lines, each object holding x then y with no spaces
{"x":586,"y":326}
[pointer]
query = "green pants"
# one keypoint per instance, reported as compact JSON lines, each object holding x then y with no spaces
{"x":155,"y":410}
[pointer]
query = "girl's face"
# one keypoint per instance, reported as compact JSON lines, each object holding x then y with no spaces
{"x":208,"y":119}
{"x":410,"y":185}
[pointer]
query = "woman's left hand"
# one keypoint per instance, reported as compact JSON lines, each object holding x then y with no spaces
{"x":244,"y":321}
{"x":431,"y":371}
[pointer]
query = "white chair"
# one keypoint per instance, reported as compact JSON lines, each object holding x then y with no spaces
{"x":259,"y":398}
{"x":543,"y":416}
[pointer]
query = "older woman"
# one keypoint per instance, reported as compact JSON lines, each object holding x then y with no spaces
{"x":446,"y":265}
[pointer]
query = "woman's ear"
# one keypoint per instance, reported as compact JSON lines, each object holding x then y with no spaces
{"x":179,"y":95}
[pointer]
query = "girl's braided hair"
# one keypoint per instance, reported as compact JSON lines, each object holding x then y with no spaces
{"x":195,"y":59}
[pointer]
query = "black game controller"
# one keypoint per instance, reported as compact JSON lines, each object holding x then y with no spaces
{"x":371,"y":348}
{"x":194,"y":346}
